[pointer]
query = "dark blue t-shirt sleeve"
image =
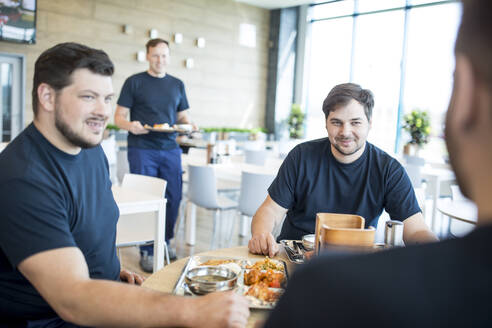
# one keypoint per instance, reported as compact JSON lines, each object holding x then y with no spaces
{"x":400,"y":200}
{"x":126,"y":94}
{"x":183,"y":102}
{"x":33,"y":220}
{"x":282,"y":190}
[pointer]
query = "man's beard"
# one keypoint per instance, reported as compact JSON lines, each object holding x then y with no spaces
{"x":71,"y":135}
{"x":358,"y":147}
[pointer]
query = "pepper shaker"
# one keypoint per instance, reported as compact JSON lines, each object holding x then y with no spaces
{"x":393,"y":233}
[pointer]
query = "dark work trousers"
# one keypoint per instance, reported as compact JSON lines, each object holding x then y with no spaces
{"x":164,"y":164}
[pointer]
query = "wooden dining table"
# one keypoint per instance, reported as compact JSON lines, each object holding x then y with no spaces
{"x":165,"y":279}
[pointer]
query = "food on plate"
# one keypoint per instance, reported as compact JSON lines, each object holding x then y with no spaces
{"x":217,"y":262}
{"x":267,"y":264}
{"x":263,"y":293}
{"x":271,"y":278}
{"x":183,"y":127}
{"x":162,"y":126}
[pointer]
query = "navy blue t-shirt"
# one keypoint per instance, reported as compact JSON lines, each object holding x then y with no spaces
{"x":153,"y":100}
{"x":50,"y":199}
{"x":311,"y":181}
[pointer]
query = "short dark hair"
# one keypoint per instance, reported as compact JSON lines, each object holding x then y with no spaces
{"x":153,"y":42}
{"x":342,"y":94}
{"x":475,"y":37}
{"x":56,"y":65}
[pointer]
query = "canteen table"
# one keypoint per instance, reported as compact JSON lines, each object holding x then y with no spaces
{"x":165,"y":279}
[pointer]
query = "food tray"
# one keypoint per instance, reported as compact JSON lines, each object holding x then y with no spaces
{"x":182,"y":289}
{"x":166,"y":130}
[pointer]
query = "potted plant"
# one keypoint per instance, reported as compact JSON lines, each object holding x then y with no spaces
{"x":417,"y":124}
{"x":296,"y":122}
{"x":110,"y":130}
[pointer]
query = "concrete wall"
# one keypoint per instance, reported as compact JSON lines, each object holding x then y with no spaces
{"x":227,"y":86}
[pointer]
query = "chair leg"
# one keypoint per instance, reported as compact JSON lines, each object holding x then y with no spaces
{"x":243,"y":225}
{"x":166,"y":253}
{"x":181,"y":216}
{"x":217,"y":215}
{"x":232,"y":224}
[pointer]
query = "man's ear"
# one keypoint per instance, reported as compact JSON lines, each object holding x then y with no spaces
{"x":46,"y":97}
{"x":466,"y":114}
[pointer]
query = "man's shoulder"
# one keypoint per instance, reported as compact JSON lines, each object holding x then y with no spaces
{"x":137,"y":77}
{"x":174,"y":79}
{"x":381,"y":157}
{"x":313,"y":146}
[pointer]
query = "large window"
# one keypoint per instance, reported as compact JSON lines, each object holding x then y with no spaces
{"x":400,"y":49}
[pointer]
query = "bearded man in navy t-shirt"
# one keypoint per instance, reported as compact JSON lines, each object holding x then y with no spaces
{"x":340,"y":174}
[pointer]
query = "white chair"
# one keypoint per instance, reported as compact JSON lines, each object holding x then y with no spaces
{"x":251,"y":195}
{"x":202,"y":191}
{"x":418,"y":183}
{"x":256,"y":157}
{"x":138,"y":230}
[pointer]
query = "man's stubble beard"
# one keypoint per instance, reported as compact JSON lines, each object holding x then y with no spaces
{"x":69,"y":134}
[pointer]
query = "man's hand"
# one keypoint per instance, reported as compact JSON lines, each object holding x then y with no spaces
{"x":131,"y":278}
{"x":223,"y":309}
{"x":137,"y":128}
{"x":263,"y":243}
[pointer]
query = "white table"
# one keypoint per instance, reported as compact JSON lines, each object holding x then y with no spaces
{"x":435,"y":177}
{"x":132,"y":202}
{"x":463,"y":210}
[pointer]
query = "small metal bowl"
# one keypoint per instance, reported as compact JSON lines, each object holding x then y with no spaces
{"x":308,"y":242}
{"x":207,"y":279}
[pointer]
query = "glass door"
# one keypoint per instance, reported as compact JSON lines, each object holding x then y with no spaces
{"x":11,"y":96}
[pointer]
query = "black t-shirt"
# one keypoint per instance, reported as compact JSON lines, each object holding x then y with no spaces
{"x":50,"y":199}
{"x":445,"y":284}
{"x":153,"y":100}
{"x":311,"y":181}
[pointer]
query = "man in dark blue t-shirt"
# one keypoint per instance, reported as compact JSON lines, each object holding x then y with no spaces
{"x":445,"y":284}
{"x":340,"y":174}
{"x":58,"y":261}
{"x":155,"y":97}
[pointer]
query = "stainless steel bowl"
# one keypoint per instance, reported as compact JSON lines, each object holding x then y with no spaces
{"x":206,"y":279}
{"x":308,"y":242}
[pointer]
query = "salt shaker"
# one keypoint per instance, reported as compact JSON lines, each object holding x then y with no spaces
{"x":393,"y":233}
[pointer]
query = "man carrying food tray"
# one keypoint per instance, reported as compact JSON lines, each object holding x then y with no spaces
{"x":155,"y":97}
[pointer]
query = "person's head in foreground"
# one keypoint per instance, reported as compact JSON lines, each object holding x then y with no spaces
{"x":445,"y":284}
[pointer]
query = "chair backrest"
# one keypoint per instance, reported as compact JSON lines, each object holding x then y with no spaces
{"x":414,"y":173}
{"x":135,"y":229}
{"x":414,"y":160}
{"x":200,"y":153}
{"x":202,"y":186}
{"x":456,"y":193}
{"x":145,"y":184}
{"x":256,"y":157}
{"x":253,"y":191}
{"x":347,"y":236}
{"x":335,"y":220}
